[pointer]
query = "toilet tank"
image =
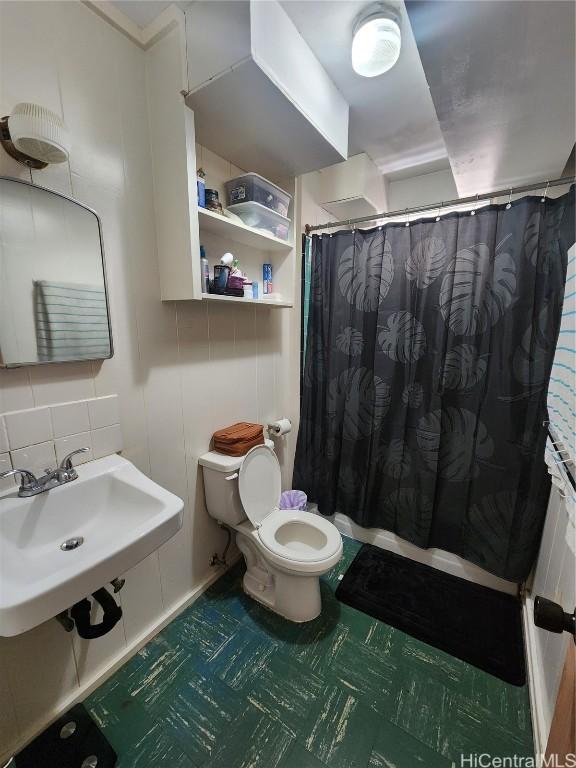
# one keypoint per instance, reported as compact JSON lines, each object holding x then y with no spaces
{"x":221,"y":486}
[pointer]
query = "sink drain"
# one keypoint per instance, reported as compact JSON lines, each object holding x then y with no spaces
{"x":73,"y":543}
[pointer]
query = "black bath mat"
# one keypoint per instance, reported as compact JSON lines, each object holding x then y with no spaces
{"x":72,"y":741}
{"x":476,"y":624}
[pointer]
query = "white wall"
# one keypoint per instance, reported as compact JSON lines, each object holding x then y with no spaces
{"x":181,"y":370}
{"x":421,"y":190}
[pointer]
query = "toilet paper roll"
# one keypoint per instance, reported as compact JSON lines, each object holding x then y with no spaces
{"x":280,"y":427}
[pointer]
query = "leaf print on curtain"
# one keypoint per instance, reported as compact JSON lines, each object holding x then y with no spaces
{"x":426,"y":261}
{"x":501,"y":526}
{"x":471,"y":297}
{"x":350,"y":341}
{"x":490,"y":523}
{"x":424,"y":397}
{"x":453,"y":442}
{"x":463,"y":367}
{"x":358,"y":401}
{"x":396,"y":460}
{"x":541,"y":243}
{"x":366,"y":270}
{"x":413,"y":395}
{"x":530,"y":358}
{"x":402,"y":338}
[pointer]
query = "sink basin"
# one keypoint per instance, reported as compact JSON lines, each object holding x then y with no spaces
{"x":121,"y":515}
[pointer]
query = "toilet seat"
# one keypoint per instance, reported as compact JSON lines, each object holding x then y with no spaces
{"x":299,"y":537}
{"x":289,"y":536}
{"x":259,"y":483}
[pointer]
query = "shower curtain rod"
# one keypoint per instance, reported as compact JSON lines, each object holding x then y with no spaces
{"x":545,"y":185}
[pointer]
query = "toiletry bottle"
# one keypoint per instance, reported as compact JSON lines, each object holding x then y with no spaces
{"x":201,"y":186}
{"x":205,"y":270}
{"x":267,"y":278}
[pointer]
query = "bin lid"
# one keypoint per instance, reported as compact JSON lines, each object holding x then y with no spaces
{"x":268,"y":183}
{"x":259,"y":483}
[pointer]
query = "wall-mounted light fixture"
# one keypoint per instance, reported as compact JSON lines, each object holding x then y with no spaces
{"x":35,"y":136}
{"x":376,"y":40}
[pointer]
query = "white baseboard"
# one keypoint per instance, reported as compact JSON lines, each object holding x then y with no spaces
{"x":436,"y":558}
{"x":115,"y":663}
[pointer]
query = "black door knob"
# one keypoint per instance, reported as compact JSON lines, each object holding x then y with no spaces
{"x":551,"y":616}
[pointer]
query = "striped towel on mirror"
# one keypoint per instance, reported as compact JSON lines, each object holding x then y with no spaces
{"x":71,"y":321}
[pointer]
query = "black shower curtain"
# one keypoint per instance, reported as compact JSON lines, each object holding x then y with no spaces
{"x":429,"y":349}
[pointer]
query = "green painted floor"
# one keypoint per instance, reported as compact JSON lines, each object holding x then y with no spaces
{"x":228,"y":684}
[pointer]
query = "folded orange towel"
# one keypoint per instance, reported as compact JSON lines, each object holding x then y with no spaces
{"x":238,"y":439}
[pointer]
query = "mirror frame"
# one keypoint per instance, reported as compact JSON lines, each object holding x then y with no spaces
{"x":106,"y":295}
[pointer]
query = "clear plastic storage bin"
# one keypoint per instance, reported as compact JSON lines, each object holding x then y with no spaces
{"x":254,"y":188}
{"x":259,"y":216}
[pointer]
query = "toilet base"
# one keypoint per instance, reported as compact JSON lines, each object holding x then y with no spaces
{"x":296,"y":597}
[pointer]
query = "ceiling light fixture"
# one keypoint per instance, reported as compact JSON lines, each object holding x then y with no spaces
{"x":376,"y":41}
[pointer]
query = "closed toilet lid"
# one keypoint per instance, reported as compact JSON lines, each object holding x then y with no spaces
{"x":259,"y":483}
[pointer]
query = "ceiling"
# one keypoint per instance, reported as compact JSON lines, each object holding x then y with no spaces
{"x":143,"y":12}
{"x":502,"y":79}
{"x":392,"y":117}
{"x":484,"y":88}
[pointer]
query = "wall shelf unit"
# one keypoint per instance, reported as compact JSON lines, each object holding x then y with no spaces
{"x":181,"y":226}
{"x":237,"y":300}
{"x":240,"y":233}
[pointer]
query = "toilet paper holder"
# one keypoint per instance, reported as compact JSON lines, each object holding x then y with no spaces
{"x":279,"y":427}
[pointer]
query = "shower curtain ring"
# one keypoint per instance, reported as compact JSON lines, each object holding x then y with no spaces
{"x":543,"y":198}
{"x":473,"y":211}
{"x":439,"y":210}
{"x":407,"y":224}
{"x":509,"y":204}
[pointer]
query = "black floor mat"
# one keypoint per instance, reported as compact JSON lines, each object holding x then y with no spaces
{"x":476,"y":624}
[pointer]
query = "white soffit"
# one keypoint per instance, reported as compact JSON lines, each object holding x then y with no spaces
{"x":260,"y":96}
{"x":392,"y":116}
{"x":502,"y":79}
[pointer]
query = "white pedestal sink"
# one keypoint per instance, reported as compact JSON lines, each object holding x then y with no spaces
{"x":121,"y":515}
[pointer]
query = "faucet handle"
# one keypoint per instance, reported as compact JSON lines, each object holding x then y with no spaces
{"x":66,"y":463}
{"x":27,"y":479}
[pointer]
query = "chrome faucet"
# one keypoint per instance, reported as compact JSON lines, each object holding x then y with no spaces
{"x":30,"y":485}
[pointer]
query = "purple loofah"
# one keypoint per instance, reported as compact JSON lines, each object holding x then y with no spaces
{"x":294,"y":500}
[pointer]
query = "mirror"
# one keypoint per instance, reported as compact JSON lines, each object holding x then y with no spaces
{"x":53,"y":300}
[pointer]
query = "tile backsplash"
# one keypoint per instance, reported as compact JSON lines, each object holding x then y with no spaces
{"x":28,"y":427}
{"x":37,"y":438}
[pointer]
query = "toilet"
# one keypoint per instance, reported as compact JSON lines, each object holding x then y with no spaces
{"x":286,"y":551}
